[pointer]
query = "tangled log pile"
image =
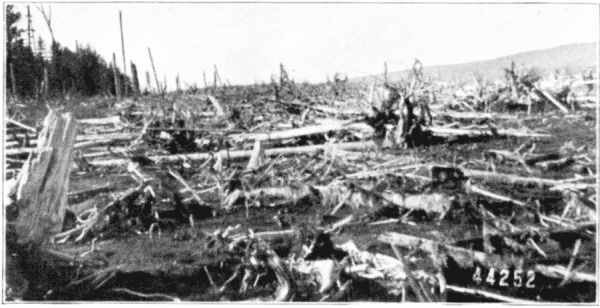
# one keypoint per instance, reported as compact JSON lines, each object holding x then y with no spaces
{"x":284,"y":192}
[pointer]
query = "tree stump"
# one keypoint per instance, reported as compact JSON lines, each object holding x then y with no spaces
{"x":42,"y":186}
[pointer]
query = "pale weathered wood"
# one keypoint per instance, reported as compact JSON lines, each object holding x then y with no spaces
{"x":473,"y":115}
{"x":549,"y":97}
{"x":490,"y":295}
{"x":332,"y":126}
{"x":29,"y":128}
{"x":84,"y":142}
{"x":114,"y":120}
{"x":516,"y":179}
{"x":442,"y":131}
{"x":216,"y":104}
{"x":42,"y":191}
{"x":311,"y":149}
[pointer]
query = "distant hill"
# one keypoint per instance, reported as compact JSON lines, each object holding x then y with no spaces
{"x":574,"y":57}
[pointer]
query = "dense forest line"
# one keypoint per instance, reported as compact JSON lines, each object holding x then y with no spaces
{"x":31,"y":74}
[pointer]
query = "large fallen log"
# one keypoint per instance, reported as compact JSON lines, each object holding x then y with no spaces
{"x":311,"y":149}
{"x":114,"y":120}
{"x":111,"y":136}
{"x":549,"y":97}
{"x":443,"y":132}
{"x":515,"y":179}
{"x":83,"y":142}
{"x":472,"y":115}
{"x":304,"y":131}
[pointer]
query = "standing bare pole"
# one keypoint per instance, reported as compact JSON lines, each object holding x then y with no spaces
{"x":385,"y":70}
{"x":154,"y":70}
{"x":205,"y":84}
{"x":216,"y":73}
{"x":46,"y":83}
{"x":116,"y":73}
{"x":13,"y":81}
{"x":134,"y":78}
{"x":123,"y":48}
{"x":164,"y":85}
{"x":148,"y":82}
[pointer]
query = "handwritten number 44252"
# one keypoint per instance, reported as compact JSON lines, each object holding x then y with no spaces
{"x":519,"y":278}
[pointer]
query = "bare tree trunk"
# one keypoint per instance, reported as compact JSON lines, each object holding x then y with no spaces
{"x":46,"y":82}
{"x":123,"y":48}
{"x":154,"y":70}
{"x":135,"y":80}
{"x":216,"y":73}
{"x":13,"y":80}
{"x":43,"y":183}
{"x":117,"y":81}
{"x":148,"y":82}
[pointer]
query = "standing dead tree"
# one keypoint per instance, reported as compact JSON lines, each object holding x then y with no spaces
{"x":135,"y":81}
{"x":148,"y":82}
{"x":123,"y":49}
{"x":117,"y":78}
{"x":13,"y":80}
{"x":158,"y":88}
{"x":48,"y":19}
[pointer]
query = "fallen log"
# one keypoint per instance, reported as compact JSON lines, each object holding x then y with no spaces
{"x":114,"y":120}
{"x":473,"y":115}
{"x":224,"y":154}
{"x":483,"y":192}
{"x":490,"y":295}
{"x":216,"y":104}
{"x":586,"y":98}
{"x":515,"y":179}
{"x":549,"y":97}
{"x":111,"y":136}
{"x":77,"y":146}
{"x":302,"y":131}
{"x":83,"y":141}
{"x":584,"y":82}
{"x":29,"y":128}
{"x":589,"y":105}
{"x":327,"y":109}
{"x":443,"y":132}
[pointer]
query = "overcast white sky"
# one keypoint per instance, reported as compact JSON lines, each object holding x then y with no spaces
{"x":247,"y":41}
